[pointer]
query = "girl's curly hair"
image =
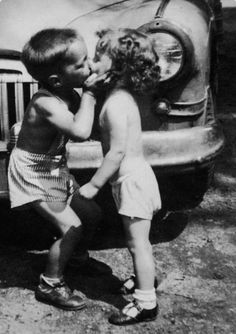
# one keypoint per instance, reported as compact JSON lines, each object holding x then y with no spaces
{"x":134,"y":60}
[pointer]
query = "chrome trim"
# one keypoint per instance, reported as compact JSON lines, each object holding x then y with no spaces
{"x":188,"y":108}
{"x":18,"y":80}
{"x":188,"y":66}
{"x":162,"y":149}
{"x":4,"y":117}
{"x":161,"y":9}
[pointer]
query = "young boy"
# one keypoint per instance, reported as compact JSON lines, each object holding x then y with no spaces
{"x":131,"y":59}
{"x":38,"y":174}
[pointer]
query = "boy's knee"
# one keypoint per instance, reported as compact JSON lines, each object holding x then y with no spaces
{"x":87,"y":210}
{"x":72,"y":227}
{"x":95,"y":214}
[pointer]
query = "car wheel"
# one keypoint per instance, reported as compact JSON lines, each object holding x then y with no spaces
{"x":182,"y":192}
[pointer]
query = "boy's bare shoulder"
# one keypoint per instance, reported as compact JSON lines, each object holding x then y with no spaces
{"x":44,"y":104}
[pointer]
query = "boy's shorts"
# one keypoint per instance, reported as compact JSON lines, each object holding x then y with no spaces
{"x":33,"y":177}
{"x":137,"y":194}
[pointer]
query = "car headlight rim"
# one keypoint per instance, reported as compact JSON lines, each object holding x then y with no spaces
{"x":187,"y":67}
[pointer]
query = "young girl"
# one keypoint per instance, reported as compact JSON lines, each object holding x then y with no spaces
{"x":130,"y":58}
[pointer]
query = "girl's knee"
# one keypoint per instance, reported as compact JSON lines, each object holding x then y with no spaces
{"x":136,"y":247}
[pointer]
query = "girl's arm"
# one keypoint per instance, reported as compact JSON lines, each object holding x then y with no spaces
{"x":115,"y":126}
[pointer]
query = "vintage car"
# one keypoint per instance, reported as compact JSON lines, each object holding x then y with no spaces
{"x":181,"y":136}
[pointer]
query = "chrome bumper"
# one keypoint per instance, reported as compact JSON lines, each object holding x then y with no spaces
{"x":176,"y":150}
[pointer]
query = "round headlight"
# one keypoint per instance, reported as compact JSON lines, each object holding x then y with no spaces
{"x":170,"y":52}
{"x":174,"y":48}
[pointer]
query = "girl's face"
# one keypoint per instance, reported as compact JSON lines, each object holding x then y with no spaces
{"x":77,"y":68}
{"x":102,"y":63}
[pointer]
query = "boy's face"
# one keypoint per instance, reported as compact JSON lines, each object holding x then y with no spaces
{"x":77,"y":69}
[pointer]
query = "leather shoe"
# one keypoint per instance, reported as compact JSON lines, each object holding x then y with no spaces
{"x":89,"y":267}
{"x":58,"y":295}
{"x":142,"y":315}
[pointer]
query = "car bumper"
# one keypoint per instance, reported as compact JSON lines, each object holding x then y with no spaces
{"x":168,"y":152}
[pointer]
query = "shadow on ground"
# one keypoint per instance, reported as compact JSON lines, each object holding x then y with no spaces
{"x":26,"y":276}
{"x":28,"y":231}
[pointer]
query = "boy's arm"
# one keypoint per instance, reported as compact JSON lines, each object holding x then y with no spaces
{"x":77,"y":127}
{"x":116,"y":124}
{"x":83,"y":119}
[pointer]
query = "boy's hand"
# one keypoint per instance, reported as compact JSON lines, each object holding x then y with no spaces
{"x":96,"y":82}
{"x":88,"y":191}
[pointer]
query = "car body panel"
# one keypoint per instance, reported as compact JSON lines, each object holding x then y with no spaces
{"x":22,"y":18}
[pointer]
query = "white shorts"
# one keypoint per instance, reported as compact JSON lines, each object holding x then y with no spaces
{"x":137,"y":194}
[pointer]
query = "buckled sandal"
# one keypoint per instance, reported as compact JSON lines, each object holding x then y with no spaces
{"x":129,"y":285}
{"x":137,"y":314}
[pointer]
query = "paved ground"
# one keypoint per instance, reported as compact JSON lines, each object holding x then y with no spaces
{"x":195,"y":255}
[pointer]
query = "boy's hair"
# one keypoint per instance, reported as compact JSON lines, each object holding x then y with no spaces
{"x":46,"y":51}
{"x":134,"y":59}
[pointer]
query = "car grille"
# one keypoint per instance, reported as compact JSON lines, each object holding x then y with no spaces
{"x":14,"y":96}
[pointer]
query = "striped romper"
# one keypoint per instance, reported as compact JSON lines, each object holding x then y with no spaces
{"x":45,"y":177}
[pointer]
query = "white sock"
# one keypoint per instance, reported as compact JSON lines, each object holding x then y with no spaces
{"x":146,"y":298}
{"x":50,"y":280}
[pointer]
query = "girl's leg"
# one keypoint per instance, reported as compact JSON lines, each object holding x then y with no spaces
{"x":137,"y":237}
{"x":69,"y":224}
{"x":144,"y":307}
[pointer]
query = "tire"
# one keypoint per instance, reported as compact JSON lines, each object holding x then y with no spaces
{"x":182,"y":192}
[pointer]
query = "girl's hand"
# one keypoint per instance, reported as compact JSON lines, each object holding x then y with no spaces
{"x":88,"y":191}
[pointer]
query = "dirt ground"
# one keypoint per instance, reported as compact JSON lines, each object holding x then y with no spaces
{"x":195,"y":255}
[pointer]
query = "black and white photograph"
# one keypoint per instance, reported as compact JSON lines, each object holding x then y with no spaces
{"x":118,"y":166}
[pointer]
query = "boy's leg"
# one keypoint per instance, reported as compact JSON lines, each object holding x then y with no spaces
{"x":90,"y":214}
{"x":52,"y":288}
{"x":69,"y":224}
{"x":144,"y":307}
